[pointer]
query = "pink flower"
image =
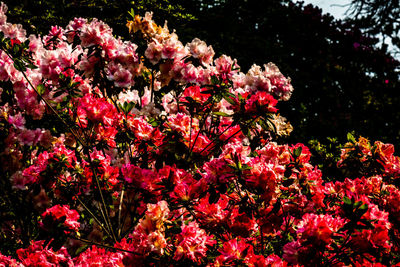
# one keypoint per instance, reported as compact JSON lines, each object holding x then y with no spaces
{"x":171,"y":48}
{"x":8,"y":261}
{"x":94,"y":33}
{"x":226,"y":67}
{"x":169,"y":103}
{"x":13,"y":31}
{"x":121,"y":76}
{"x":291,"y":252}
{"x":183,"y":124}
{"x":97,"y":110}
{"x":141,"y":128}
{"x":198,"y":49}
{"x":18,"y":121}
{"x":189,"y":73}
{"x":3,"y":11}
{"x":153,"y":52}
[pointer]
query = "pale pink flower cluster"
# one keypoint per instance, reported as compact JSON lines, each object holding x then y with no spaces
{"x":269,"y":80}
{"x":54,"y":62}
{"x":12,"y":31}
{"x":199,"y":49}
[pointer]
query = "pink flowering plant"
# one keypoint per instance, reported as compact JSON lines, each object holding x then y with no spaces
{"x":152,"y":152}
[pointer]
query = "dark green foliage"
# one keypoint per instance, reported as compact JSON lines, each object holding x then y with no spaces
{"x":37,"y":16}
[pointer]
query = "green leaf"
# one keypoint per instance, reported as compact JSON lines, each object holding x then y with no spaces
{"x":132,"y":13}
{"x":58,"y":93}
{"x":346,"y":200}
{"x":223,"y":114}
{"x":351,"y":138}
{"x":229,"y":99}
{"x":81,"y":249}
{"x":18,"y":65}
{"x":297,"y":152}
{"x":214,"y":80}
{"x":40,"y":89}
{"x":31,"y":66}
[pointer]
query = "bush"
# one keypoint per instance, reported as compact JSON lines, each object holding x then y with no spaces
{"x":154,"y":153}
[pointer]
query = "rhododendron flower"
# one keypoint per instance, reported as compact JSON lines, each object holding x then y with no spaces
{"x":318,"y":229}
{"x":261,"y":102}
{"x":183,"y":124}
{"x":232,"y":251}
{"x":141,"y":128}
{"x":378,"y":236}
{"x":241,"y":224}
{"x":158,"y":212}
{"x":195,"y":93}
{"x":142,"y":178}
{"x":13,"y":31}
{"x":213,"y":215}
{"x":37,"y":255}
{"x":148,"y":235}
{"x":264,"y":176}
{"x":61,"y":214}
{"x":8,"y":261}
{"x":218,"y":171}
{"x":94,"y":33}
{"x":192,"y":243}
{"x":199,"y":49}
{"x":121,"y":77}
{"x":153,"y":52}
{"x":18,"y":121}
{"x":290,"y":252}
{"x":95,"y":256}
{"x":226,"y":66}
{"x":96,"y":109}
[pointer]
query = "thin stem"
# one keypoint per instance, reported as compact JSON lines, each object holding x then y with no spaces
{"x":120,"y":211}
{"x":106,"y":215}
{"x":94,"y":216}
{"x":152,"y":86}
{"x":227,"y":128}
{"x":126,"y":214}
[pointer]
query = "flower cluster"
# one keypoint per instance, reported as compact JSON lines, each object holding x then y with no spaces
{"x":61,"y":214}
{"x":116,"y":157}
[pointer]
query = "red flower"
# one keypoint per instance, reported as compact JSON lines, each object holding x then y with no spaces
{"x":37,"y":255}
{"x":61,"y":214}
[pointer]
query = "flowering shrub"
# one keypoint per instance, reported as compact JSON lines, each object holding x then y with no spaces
{"x":127,"y":154}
